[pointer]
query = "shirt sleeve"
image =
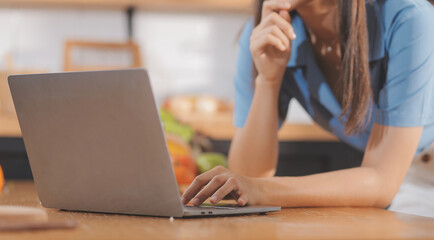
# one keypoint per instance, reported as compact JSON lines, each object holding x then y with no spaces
{"x":243,"y":77}
{"x":407,"y":98}
{"x":243,"y":82}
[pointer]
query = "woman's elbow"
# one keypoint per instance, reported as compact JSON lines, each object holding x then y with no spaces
{"x":380,"y":191}
{"x":385,"y":193}
{"x":384,"y":200}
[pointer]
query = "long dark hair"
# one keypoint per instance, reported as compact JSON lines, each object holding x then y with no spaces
{"x":353,"y":87}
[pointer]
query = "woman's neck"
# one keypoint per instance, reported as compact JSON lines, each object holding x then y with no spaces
{"x":320,"y":17}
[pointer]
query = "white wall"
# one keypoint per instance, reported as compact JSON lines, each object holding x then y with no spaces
{"x":190,"y":53}
{"x":184,"y":53}
{"x":36,"y":37}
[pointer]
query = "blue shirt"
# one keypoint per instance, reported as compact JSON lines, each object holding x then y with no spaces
{"x":401,"y":60}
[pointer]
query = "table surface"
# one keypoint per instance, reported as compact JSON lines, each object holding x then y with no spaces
{"x":290,"y":223}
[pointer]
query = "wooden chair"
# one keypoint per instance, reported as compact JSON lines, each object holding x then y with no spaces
{"x":104,"y":49}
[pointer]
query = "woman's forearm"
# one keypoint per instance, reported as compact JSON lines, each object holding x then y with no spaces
{"x":359,"y":186}
{"x":254,"y":148}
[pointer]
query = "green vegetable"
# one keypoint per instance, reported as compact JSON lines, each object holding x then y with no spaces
{"x":166,"y":116}
{"x":171,"y":125}
{"x":208,"y":161}
{"x":183,"y":131}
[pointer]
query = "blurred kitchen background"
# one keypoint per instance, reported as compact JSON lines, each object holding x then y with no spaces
{"x":189,"y":48}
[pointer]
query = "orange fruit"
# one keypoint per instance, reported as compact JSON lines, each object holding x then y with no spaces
{"x":2,"y":180}
{"x":177,"y":146}
{"x":185,"y":161}
{"x":183,"y":164}
{"x":183,"y":174}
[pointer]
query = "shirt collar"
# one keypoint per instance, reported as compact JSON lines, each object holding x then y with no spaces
{"x":375,"y":31}
{"x":301,"y":44}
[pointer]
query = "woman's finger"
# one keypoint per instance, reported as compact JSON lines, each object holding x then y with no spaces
{"x":223,"y":191}
{"x":276,"y":31}
{"x":209,"y":189}
{"x":285,"y":15}
{"x":267,"y":40}
{"x":199,"y":182}
{"x":274,"y":5}
{"x":279,"y":21}
{"x":243,"y":199}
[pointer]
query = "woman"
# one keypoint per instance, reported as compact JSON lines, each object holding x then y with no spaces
{"x":363,"y":70}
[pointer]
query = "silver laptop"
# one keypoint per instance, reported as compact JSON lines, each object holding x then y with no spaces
{"x":95,"y":143}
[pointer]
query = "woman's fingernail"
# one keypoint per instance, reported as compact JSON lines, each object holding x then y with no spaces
{"x":183,"y":200}
{"x":213,"y":199}
{"x":195,"y":201}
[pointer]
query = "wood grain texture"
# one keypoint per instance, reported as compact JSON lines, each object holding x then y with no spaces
{"x":291,"y":223}
{"x":159,"y":5}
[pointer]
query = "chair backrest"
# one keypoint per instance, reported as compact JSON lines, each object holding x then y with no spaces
{"x":89,"y":56}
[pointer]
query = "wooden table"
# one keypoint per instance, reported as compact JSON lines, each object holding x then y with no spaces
{"x":291,"y":223}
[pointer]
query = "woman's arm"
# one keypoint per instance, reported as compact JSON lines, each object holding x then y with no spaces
{"x":387,"y":157}
{"x":254,"y":148}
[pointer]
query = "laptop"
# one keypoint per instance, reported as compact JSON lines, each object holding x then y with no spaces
{"x":95,"y":143}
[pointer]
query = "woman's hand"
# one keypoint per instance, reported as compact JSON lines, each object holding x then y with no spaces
{"x":270,"y":43}
{"x":220,"y":183}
